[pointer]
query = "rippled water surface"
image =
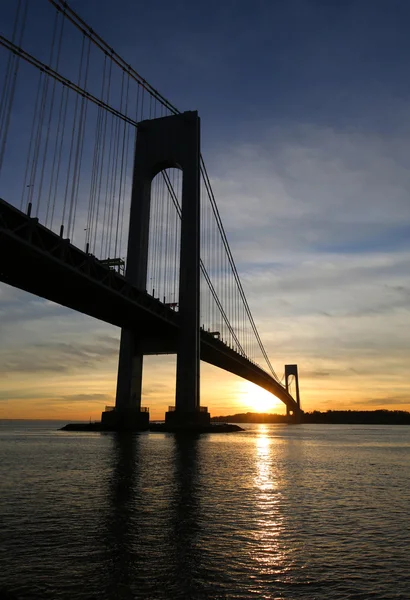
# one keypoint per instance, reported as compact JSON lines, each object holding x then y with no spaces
{"x":308,"y":511}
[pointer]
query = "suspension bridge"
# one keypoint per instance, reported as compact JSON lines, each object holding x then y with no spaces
{"x":106,"y":207}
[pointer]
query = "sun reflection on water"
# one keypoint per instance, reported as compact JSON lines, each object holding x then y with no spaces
{"x":268,"y":553}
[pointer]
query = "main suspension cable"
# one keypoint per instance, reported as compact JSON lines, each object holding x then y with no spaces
{"x":230,"y":301}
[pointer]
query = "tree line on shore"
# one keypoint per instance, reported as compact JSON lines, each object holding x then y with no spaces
{"x":359,"y":417}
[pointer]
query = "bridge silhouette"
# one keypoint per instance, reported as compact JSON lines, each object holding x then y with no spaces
{"x":85,"y":141}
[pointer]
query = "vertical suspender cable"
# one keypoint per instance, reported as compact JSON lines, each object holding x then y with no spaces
{"x":105,"y":226}
{"x":51,"y":107}
{"x":108,"y":92}
{"x":100,"y":164}
{"x":122,"y":168}
{"x":64,"y":105}
{"x":26,"y":183}
{"x":73,"y":132}
{"x":114,"y":235}
{"x":79,"y":151}
{"x":127,"y":147}
{"x":93,"y":180}
{"x":7,"y":76}
{"x":10,"y":83}
{"x":55,"y":153}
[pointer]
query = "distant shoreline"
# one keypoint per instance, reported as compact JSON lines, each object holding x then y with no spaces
{"x":337,"y":417}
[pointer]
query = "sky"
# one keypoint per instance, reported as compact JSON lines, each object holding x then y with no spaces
{"x":305,"y":117}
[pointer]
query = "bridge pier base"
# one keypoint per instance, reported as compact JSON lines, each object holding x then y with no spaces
{"x":294,"y":417}
{"x":128,"y":415}
{"x":129,"y":420}
{"x":176,"y":420}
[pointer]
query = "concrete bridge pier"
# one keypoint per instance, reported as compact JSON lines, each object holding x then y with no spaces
{"x":128,"y":415}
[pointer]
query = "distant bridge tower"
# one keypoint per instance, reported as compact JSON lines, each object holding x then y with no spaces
{"x":168,"y":142}
{"x":293,"y":370}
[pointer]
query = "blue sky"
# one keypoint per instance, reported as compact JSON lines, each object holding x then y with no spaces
{"x":306,"y":134}
{"x":333,"y":63}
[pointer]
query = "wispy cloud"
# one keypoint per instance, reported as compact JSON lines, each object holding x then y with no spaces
{"x":57,"y":357}
{"x":83,"y":398}
{"x":319,"y":223}
{"x":306,"y":188}
{"x":387,"y":402}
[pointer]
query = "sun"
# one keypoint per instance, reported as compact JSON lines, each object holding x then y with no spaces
{"x":257,"y":399}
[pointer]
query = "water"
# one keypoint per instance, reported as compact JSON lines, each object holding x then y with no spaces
{"x":308,"y":511}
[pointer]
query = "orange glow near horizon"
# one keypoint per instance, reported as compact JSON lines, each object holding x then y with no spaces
{"x":59,"y":397}
{"x":81,"y":394}
{"x":256,"y":399}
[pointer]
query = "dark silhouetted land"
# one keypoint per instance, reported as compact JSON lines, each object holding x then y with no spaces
{"x":359,"y":417}
{"x":220,"y":427}
{"x":345,"y":417}
{"x":251,"y":418}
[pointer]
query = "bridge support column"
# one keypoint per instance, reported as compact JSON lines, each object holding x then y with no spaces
{"x":297,"y":415}
{"x":188,"y":413}
{"x":168,"y":142}
{"x":127,"y":414}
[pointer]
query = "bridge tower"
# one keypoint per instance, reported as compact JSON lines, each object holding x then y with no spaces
{"x":168,"y":142}
{"x":293,"y":370}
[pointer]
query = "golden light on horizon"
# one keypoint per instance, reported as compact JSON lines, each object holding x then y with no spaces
{"x":256,"y":399}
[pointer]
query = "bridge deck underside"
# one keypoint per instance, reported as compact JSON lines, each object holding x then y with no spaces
{"x":35,"y":259}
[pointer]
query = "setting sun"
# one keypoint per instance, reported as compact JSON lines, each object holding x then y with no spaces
{"x":257,"y":399}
